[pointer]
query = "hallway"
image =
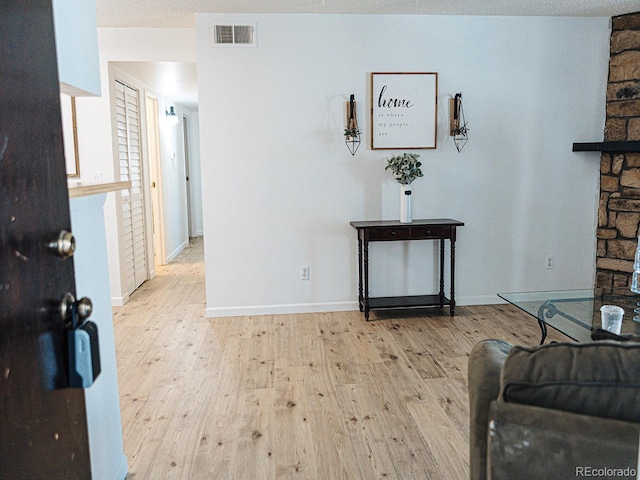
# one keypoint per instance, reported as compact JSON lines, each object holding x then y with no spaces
{"x":159,"y":337}
{"x":309,"y":396}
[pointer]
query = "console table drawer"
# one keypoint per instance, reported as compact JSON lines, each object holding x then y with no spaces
{"x":430,"y":232}
{"x":388,"y":233}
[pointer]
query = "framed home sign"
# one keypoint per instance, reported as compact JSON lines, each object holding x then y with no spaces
{"x":404,"y":109}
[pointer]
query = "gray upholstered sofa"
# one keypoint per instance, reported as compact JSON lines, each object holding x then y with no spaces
{"x":556,"y":411}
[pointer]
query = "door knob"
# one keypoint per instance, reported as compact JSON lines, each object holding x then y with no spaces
{"x":83,"y":308}
{"x":65,"y":245}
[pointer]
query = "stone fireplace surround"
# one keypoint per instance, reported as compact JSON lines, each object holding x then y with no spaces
{"x":619,"y":205}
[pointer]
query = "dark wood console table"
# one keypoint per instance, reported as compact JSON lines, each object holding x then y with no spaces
{"x":389,"y":231}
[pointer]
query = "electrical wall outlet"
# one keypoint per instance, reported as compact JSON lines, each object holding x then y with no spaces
{"x":548,"y":262}
{"x":304,"y":272}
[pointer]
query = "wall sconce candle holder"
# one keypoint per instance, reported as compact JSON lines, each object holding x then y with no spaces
{"x":457,"y":123}
{"x":171,"y":116}
{"x":351,"y":131}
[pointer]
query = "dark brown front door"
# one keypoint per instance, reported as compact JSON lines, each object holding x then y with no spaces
{"x":43,"y":429}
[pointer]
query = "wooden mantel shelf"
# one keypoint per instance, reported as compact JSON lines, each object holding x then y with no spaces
{"x":610,"y":147}
{"x":82,"y":189}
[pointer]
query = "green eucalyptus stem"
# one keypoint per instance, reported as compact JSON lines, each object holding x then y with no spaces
{"x":405,"y":167}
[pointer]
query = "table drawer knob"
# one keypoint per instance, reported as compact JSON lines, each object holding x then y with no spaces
{"x":393,"y":232}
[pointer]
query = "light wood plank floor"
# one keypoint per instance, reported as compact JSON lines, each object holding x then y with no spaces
{"x":311,"y":396}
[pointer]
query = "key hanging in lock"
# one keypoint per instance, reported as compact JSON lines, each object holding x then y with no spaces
{"x":84,"y":348}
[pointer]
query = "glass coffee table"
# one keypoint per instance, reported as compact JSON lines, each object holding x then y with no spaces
{"x":575,"y":313}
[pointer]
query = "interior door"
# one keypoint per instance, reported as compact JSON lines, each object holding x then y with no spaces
{"x":186,"y":134}
{"x":130,"y":156}
{"x":43,"y":429}
{"x":153,"y":149}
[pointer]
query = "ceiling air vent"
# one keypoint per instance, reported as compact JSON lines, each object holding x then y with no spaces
{"x":233,"y":35}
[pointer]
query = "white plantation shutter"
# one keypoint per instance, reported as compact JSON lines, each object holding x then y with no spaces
{"x":129,"y":154}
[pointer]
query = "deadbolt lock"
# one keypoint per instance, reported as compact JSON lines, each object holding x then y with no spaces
{"x":65,"y":245}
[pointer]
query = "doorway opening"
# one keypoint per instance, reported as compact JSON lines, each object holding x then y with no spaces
{"x":155,"y":186}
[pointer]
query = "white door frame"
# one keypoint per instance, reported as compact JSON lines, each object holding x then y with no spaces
{"x":155,"y":179}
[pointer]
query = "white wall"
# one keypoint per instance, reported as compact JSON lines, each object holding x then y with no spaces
{"x":281,"y":187}
{"x":174,"y":188}
{"x":104,"y":424}
{"x":95,"y":129}
{"x":196,"y":175}
{"x":77,"y":46}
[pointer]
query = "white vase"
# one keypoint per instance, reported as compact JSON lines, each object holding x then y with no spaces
{"x":405,"y":204}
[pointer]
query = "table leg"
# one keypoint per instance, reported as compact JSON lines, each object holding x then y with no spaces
{"x":360,"y":297}
{"x":546,"y":310}
{"x":452,"y":304}
{"x":441,"y":293}
{"x":543,"y":330}
{"x":366,"y":278}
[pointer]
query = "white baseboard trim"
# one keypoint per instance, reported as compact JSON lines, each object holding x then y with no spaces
{"x":249,"y":310}
{"x":119,"y":301}
{"x":480,"y":300}
{"x":241,"y":311}
{"x":177,"y":251}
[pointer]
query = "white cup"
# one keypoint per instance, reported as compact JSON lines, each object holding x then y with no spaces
{"x":612,"y":318}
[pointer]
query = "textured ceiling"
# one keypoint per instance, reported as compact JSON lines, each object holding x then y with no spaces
{"x":180,"y":13}
{"x":178,"y":81}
